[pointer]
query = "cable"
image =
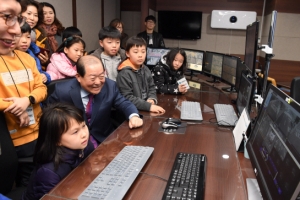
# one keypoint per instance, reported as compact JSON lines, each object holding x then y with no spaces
{"x":154,"y":176}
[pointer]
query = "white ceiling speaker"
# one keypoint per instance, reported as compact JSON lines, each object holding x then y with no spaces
{"x":232,"y":19}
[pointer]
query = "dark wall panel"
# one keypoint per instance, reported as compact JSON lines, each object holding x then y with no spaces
{"x":207,"y":6}
{"x":130,"y":5}
{"x":288,"y":6}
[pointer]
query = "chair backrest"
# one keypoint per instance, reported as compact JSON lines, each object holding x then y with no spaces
{"x":51,"y":88}
{"x":260,"y":82}
{"x":295,"y":89}
{"x":51,"y":85}
{"x":8,"y":158}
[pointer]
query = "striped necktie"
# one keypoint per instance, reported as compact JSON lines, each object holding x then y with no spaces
{"x":89,"y":108}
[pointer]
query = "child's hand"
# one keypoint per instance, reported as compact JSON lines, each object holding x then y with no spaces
{"x":43,"y":57}
{"x":19,"y":105}
{"x":44,"y":78}
{"x":182,"y":88}
{"x":23,"y":119}
{"x":151,"y":101}
{"x":157,"y":109}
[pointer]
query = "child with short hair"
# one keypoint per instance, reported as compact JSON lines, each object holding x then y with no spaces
{"x":109,"y":51}
{"x":25,"y":44}
{"x":135,"y":80}
{"x":168,"y":71}
{"x":63,"y":143}
{"x":70,"y":31}
{"x":63,"y":62}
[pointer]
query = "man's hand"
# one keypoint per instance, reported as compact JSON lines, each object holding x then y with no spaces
{"x":19,"y":105}
{"x":157,"y":109}
{"x":23,"y":119}
{"x":151,"y":101}
{"x":135,"y":122}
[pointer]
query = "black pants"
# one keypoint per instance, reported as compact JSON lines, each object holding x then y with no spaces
{"x":25,"y":155}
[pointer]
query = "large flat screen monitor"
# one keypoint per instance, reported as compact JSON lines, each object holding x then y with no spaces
{"x":154,"y":55}
{"x":245,"y":93}
{"x":180,"y":24}
{"x":241,"y":66}
{"x":213,"y":64}
{"x":194,"y":59}
{"x":229,"y":69}
{"x":274,"y":148}
{"x":251,"y":45}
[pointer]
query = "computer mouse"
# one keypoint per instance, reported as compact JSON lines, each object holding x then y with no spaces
{"x":173,"y":120}
{"x":169,"y":125}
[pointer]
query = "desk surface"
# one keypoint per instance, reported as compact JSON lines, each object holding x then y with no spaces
{"x":225,"y":179}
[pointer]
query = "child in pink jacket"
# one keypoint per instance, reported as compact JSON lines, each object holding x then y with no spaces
{"x":63,"y":62}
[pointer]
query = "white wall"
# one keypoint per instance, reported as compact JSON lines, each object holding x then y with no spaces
{"x":88,"y":17}
{"x":89,"y":21}
{"x":63,"y":11}
{"x":111,"y":10}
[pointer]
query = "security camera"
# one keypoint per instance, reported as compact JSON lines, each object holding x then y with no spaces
{"x":233,"y":19}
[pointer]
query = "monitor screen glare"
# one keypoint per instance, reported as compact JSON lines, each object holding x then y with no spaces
{"x":194,"y":59}
{"x":229,"y":69}
{"x":274,"y":148}
{"x":154,"y":55}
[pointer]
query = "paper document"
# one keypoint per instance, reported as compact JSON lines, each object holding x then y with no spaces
{"x":241,"y":128}
{"x":183,"y":81}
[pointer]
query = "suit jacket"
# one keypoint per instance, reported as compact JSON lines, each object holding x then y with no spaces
{"x":100,"y":124}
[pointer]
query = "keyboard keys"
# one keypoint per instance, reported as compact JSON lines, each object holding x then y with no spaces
{"x":225,"y":114}
{"x":191,"y":111}
{"x":187,"y":177}
{"x":117,"y":177}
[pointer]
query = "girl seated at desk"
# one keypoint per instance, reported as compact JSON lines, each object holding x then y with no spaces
{"x":63,"y":143}
{"x":168,"y":71}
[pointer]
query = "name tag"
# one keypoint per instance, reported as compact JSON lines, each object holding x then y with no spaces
{"x":30,"y":113}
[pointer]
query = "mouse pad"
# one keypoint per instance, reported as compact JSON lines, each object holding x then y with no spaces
{"x":179,"y":130}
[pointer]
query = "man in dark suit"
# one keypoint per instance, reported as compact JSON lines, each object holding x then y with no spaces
{"x":90,"y":81}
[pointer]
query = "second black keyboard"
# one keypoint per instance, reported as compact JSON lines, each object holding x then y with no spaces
{"x":187,"y":178}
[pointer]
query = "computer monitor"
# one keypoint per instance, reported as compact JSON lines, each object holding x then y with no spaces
{"x":194,"y":59}
{"x":241,"y":66}
{"x":229,"y":69}
{"x":251,"y":45}
{"x":213,"y":64}
{"x":274,"y":148}
{"x":245,"y":94}
{"x":154,"y":55}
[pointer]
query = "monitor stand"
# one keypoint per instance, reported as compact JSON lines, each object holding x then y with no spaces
{"x":253,"y":189}
{"x":214,"y":80}
{"x":228,"y":89}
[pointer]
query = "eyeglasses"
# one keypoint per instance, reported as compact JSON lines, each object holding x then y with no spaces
{"x":11,"y":20}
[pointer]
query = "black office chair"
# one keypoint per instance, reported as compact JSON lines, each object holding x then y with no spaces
{"x":51,"y":87}
{"x":8,"y":158}
{"x":295,"y":89}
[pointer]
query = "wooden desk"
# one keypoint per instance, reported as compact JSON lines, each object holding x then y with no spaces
{"x":224,"y":178}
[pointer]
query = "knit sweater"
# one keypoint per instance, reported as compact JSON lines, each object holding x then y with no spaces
{"x":21,"y":78}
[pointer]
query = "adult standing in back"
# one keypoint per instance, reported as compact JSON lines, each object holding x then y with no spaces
{"x":153,"y":38}
{"x":50,"y":24}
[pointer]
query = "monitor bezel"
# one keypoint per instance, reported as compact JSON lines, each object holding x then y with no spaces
{"x":256,"y":25}
{"x":195,"y":50}
{"x":260,"y":179}
{"x":153,"y":48}
{"x":209,"y":73}
{"x":223,"y":80}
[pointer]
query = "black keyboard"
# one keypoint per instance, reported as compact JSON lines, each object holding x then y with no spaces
{"x":187,"y":178}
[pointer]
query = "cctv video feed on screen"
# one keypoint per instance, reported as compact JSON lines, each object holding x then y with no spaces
{"x":154,"y":55}
{"x":194,"y":59}
{"x":274,"y":147}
